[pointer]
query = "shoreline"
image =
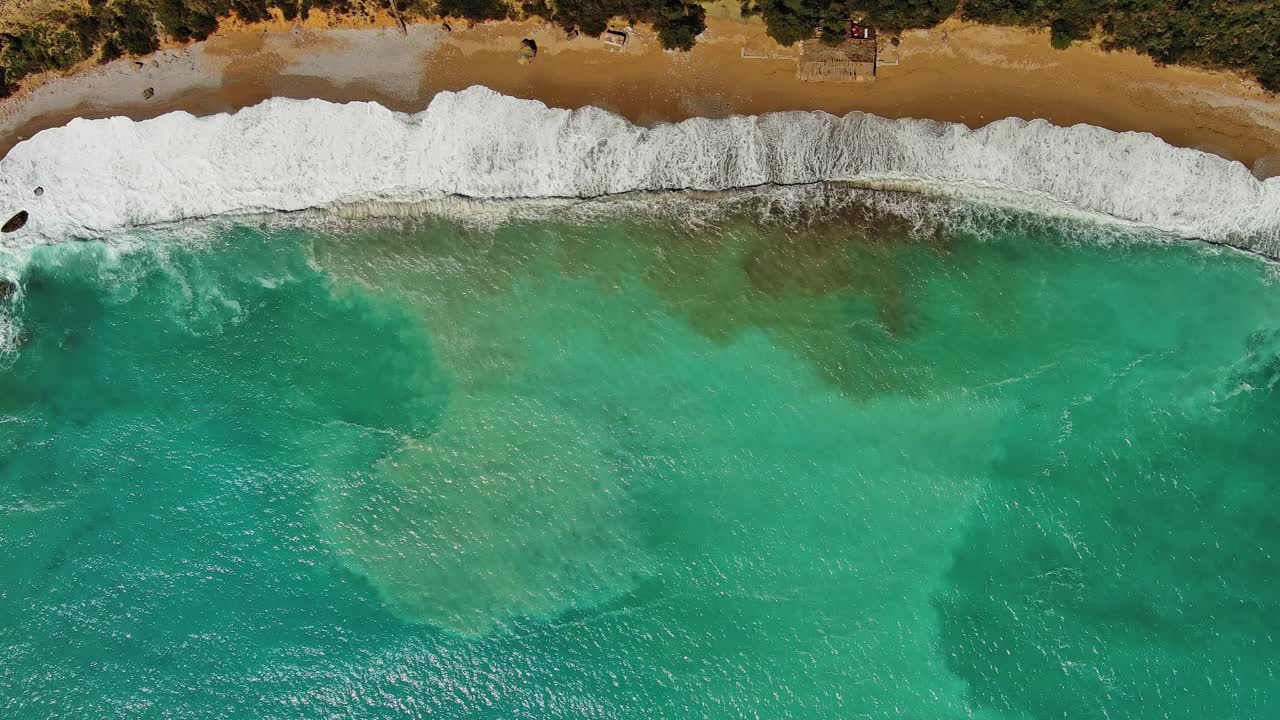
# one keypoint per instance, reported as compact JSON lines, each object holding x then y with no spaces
{"x":95,"y":178}
{"x":956,"y":72}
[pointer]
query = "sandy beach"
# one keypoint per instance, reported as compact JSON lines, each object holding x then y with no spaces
{"x":958,"y":72}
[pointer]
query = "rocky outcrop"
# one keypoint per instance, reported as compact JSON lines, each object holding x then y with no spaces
{"x":528,"y":50}
{"x":15,"y":223}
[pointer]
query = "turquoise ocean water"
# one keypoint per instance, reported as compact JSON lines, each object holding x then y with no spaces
{"x":633,"y":468}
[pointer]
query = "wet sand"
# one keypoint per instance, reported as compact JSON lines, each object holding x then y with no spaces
{"x":957,"y":72}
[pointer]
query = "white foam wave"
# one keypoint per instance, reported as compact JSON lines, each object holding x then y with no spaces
{"x":283,"y":155}
{"x":8,"y":339}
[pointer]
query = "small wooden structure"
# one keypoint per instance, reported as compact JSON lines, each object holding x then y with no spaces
{"x":615,"y":38}
{"x":851,"y":60}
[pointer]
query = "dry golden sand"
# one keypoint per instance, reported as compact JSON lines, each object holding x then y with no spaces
{"x":956,"y":72}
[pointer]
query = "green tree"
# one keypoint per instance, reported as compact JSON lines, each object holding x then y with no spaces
{"x":897,"y":15}
{"x":679,"y":24}
{"x":790,"y":21}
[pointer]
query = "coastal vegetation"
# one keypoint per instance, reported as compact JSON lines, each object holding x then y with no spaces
{"x":1241,"y":34}
{"x":790,"y":21}
{"x":55,"y":35}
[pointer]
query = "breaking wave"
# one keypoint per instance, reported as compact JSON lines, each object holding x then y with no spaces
{"x":100,"y":176}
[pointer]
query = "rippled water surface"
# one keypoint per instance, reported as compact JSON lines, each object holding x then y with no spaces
{"x":629,"y":469}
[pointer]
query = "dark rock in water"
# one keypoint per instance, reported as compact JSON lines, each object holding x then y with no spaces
{"x":15,"y":223}
{"x":39,"y":191}
{"x":24,"y":338}
{"x":7,"y":289}
{"x":148,"y":93}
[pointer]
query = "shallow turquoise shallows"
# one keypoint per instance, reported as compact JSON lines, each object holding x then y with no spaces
{"x":628,"y":469}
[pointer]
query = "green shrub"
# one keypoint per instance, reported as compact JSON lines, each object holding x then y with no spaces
{"x":111,"y":50}
{"x":473,"y":9}
{"x":135,"y":26}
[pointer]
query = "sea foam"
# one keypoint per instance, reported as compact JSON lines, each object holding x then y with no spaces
{"x":283,"y":155}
